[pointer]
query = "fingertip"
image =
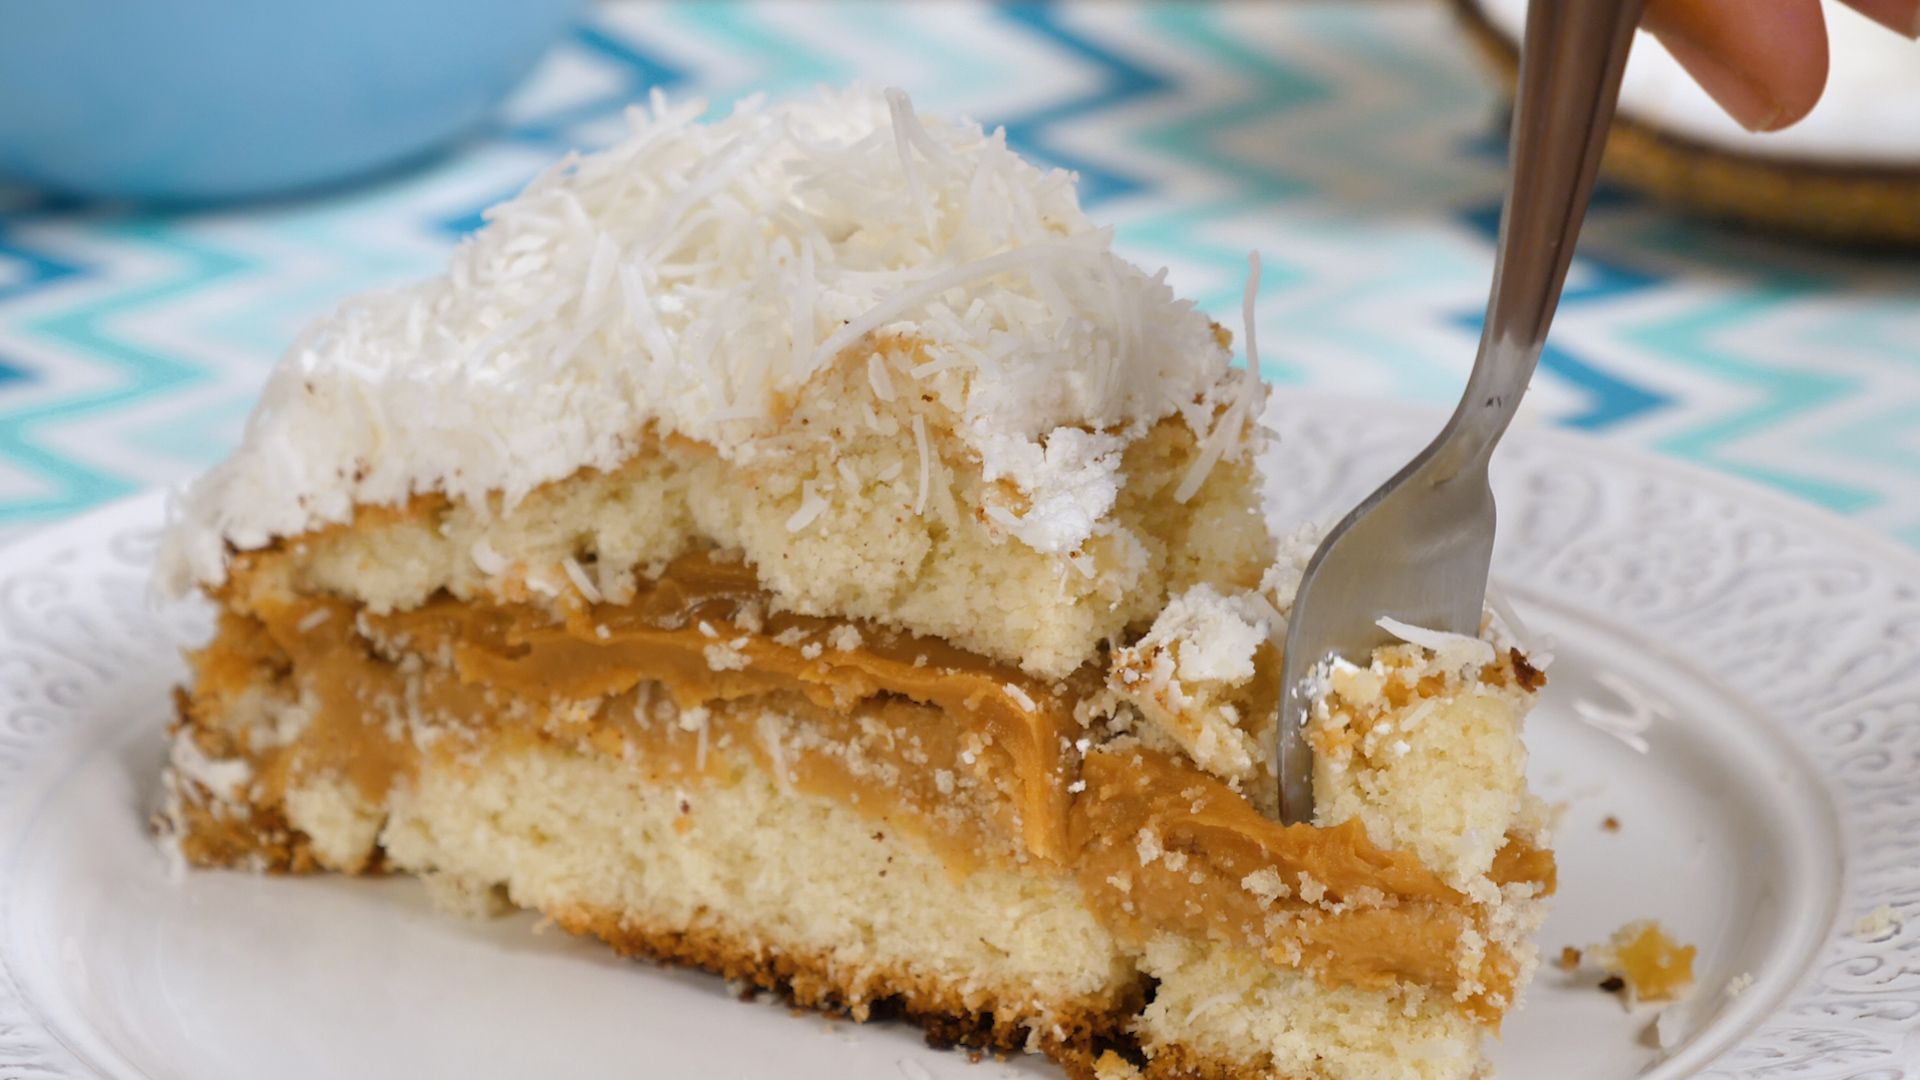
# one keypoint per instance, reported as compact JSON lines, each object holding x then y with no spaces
{"x":1800,"y":41}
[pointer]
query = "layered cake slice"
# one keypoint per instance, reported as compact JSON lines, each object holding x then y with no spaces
{"x":797,"y":546}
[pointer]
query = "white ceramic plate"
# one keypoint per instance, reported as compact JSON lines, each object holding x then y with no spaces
{"x":1766,"y":657}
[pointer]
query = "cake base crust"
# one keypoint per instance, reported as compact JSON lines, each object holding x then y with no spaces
{"x":806,"y":979}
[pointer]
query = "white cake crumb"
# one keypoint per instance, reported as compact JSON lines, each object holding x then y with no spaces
{"x":725,"y":657}
{"x":1311,"y":890}
{"x":1191,"y":675}
{"x":1148,"y":845}
{"x":464,"y":897}
{"x":1878,"y":923}
{"x":1111,"y":1066}
{"x":1265,"y":884}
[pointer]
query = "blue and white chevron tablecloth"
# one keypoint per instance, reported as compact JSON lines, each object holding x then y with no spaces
{"x":1357,"y":146}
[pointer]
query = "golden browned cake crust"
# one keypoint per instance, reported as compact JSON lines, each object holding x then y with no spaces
{"x":1079,"y":1033}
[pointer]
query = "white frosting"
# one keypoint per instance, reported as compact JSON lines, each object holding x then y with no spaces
{"x":1211,"y":636}
{"x":687,"y":277}
{"x":1295,"y":543}
{"x":1071,"y":481}
{"x":1870,"y":114}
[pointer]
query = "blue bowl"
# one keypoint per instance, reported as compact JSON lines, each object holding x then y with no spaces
{"x":204,"y":100}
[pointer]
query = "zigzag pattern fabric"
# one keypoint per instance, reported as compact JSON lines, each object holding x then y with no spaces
{"x":1355,"y":145}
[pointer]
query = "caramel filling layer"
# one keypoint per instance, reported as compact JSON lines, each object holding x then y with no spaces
{"x":693,"y":679}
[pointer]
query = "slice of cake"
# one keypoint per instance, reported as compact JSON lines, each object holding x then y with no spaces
{"x":797,"y":546}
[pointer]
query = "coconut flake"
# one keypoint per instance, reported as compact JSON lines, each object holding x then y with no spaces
{"x":1032,"y":258}
{"x":769,"y":730}
{"x":489,"y":561}
{"x":1451,"y":651}
{"x":877,"y":376}
{"x":1021,"y":697}
{"x":811,"y":507}
{"x":578,"y":575}
{"x":1207,"y":1005}
{"x":1232,"y":423}
{"x":926,"y":464}
{"x":903,"y":121}
{"x":1670,"y":1026}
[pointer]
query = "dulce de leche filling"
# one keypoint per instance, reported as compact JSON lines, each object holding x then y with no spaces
{"x":694,"y":678}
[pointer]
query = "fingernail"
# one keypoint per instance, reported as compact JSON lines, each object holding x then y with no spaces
{"x":1742,"y":96}
{"x":1900,"y":16}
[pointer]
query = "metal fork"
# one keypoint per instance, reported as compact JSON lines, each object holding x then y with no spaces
{"x":1419,"y":548}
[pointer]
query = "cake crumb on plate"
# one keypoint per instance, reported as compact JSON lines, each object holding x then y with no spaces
{"x":1645,"y":961}
{"x":1877,"y":923}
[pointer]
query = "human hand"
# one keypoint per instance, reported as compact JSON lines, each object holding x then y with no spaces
{"x":1764,"y":61}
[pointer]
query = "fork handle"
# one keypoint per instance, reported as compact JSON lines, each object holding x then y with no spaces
{"x":1570,"y":68}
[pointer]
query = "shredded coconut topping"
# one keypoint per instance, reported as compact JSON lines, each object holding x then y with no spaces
{"x":578,"y":575}
{"x":489,"y":561}
{"x":920,"y":441}
{"x":1230,"y":429}
{"x":811,"y":507}
{"x":1021,"y":697}
{"x":688,"y":279}
{"x":1453,"y":651}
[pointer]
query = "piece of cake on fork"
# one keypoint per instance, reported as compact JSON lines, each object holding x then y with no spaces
{"x":797,"y":546}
